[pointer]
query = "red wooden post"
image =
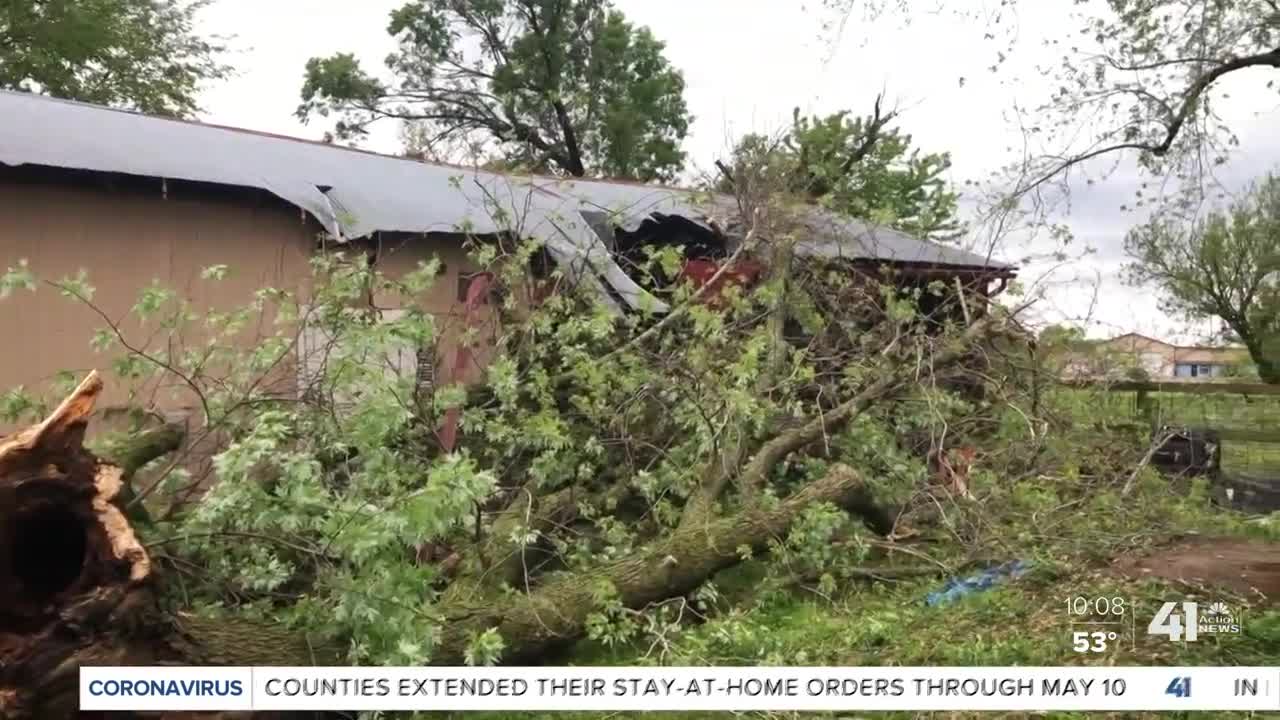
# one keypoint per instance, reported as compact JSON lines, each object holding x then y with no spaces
{"x":477,"y":292}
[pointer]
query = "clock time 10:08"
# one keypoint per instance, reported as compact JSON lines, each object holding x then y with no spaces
{"x":1106,"y":607}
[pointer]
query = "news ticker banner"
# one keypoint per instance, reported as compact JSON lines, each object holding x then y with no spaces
{"x":680,"y":688}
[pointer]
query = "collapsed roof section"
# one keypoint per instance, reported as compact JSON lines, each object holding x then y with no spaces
{"x":354,"y":193}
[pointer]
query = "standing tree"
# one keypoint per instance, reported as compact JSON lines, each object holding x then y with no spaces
{"x":557,"y":85}
{"x":857,"y":166}
{"x":138,"y":54}
{"x":1060,"y":336}
{"x":1225,"y":266}
{"x":1129,"y":81}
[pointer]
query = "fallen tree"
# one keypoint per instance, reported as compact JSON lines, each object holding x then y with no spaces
{"x":705,"y":540}
{"x":605,"y":465}
{"x":77,"y":586}
{"x":558,"y":610}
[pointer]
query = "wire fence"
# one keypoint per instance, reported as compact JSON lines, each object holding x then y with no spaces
{"x":1245,"y":417}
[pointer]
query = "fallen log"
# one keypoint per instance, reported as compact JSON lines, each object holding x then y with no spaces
{"x":77,"y":586}
{"x":557,"y":611}
{"x":132,"y":454}
{"x":502,"y":558}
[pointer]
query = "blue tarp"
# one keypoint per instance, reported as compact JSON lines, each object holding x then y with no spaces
{"x":957,"y":588}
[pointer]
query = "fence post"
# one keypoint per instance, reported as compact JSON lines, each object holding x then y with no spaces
{"x":1143,"y":405}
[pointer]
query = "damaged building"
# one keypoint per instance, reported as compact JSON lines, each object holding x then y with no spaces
{"x":135,"y":199}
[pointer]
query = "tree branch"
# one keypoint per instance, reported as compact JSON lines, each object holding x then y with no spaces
{"x":1190,"y":98}
{"x":501,"y":558}
{"x":869,"y":140}
{"x":573,"y":153}
{"x":890,"y":381}
{"x":558,"y":610}
{"x":574,"y":166}
{"x":724,"y":170}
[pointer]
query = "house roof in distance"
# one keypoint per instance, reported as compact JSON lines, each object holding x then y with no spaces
{"x":354,"y":193}
{"x":1134,"y":339}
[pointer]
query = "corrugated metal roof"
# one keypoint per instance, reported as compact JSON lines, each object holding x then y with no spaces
{"x":368,"y":192}
{"x":837,"y":236}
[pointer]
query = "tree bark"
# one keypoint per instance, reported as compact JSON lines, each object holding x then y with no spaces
{"x":132,"y":454}
{"x":77,"y":586}
{"x":557,"y":610}
{"x":1268,"y":367}
{"x":503,"y":558}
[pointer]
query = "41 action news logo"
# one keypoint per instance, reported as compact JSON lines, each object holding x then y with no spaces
{"x":1184,"y":621}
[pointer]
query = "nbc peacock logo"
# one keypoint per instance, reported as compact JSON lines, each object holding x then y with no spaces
{"x":1219,"y":618}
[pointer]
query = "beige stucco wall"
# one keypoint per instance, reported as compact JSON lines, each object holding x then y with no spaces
{"x":125,"y":239}
{"x":399,"y":255}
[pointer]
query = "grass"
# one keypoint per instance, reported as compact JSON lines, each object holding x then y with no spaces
{"x":1252,"y":458}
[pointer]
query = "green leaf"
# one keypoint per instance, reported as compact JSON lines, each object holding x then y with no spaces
{"x":138,"y":54}
{"x":17,"y":278}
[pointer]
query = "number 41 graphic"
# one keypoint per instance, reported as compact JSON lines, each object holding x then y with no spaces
{"x":1179,"y":687}
{"x":1168,"y":623}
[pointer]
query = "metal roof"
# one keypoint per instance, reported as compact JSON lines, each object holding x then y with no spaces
{"x":836,"y":236}
{"x":354,"y":193}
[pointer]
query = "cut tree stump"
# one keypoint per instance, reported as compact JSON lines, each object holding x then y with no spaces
{"x":77,"y":586}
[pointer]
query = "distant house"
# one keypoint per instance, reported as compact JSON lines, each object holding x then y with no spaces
{"x":1131,"y":352}
{"x":134,"y":199}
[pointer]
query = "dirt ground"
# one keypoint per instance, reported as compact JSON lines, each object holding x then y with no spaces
{"x":1250,"y":568}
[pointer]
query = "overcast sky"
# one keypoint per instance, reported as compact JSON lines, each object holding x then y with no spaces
{"x":747,"y":63}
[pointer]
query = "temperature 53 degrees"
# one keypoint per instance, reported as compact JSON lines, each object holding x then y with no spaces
{"x":1094,"y":642}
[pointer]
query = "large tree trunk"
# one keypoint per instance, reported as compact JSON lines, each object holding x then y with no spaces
{"x":70,"y":564}
{"x":1258,"y":343}
{"x":557,"y":610}
{"x":1268,"y":366}
{"x":76,"y":584}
